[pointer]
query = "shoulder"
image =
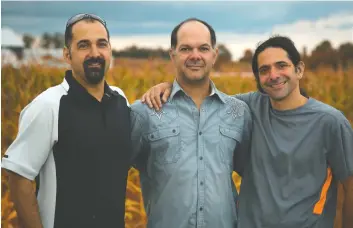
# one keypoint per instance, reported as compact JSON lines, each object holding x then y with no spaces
{"x":235,"y":102}
{"x":139,"y":107}
{"x":330,"y":114}
{"x":251,"y":98}
{"x":120,"y":92}
{"x":235,"y":112}
{"x":47,"y":100}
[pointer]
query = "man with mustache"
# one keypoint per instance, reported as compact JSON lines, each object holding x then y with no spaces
{"x":74,"y":140}
{"x":301,"y":148}
{"x":184,"y":151}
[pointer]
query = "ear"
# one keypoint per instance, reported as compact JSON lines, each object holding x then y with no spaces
{"x":300,"y":69}
{"x":67,"y":55}
{"x":216,"y":51}
{"x":172,"y":54}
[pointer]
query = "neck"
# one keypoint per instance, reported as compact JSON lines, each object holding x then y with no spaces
{"x":292,"y":101}
{"x":198,"y":91}
{"x":96,"y":90}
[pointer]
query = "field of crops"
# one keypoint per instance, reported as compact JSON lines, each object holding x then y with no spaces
{"x":20,"y":86}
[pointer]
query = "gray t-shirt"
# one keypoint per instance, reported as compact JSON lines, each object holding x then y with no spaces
{"x":297,"y":157}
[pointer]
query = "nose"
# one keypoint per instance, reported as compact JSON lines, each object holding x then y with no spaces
{"x":274,"y":75}
{"x":195,"y":54}
{"x":94,"y":51}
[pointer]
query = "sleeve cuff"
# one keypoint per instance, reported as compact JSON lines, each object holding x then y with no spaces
{"x":19,"y":169}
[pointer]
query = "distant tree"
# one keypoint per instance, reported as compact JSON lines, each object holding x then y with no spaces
{"x":324,"y":55}
{"x":141,"y":53}
{"x":345,"y":54}
{"x":304,"y":55}
{"x":247,"y":57}
{"x":46,"y":41}
{"x":224,"y":56}
{"x":58,"y":40}
{"x":28,"y":40}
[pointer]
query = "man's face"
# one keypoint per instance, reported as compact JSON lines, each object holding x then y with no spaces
{"x":193,"y":55}
{"x":89,"y":53}
{"x":277,"y":74}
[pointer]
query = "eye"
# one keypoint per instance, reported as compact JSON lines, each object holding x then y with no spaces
{"x":263,"y":71}
{"x":204,"y":49}
{"x":282,"y":65}
{"x":82,"y":45}
{"x":103,"y":44}
{"x":184,"y":49}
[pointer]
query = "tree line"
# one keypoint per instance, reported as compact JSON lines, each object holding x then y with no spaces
{"x":323,"y":55}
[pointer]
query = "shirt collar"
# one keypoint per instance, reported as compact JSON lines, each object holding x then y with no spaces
{"x":214,"y":91}
{"x":71,"y":83}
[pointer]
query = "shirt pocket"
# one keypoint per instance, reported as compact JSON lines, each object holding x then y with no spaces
{"x":230,"y":138}
{"x":165,"y":144}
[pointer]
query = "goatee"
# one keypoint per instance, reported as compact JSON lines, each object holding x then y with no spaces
{"x":94,"y":69}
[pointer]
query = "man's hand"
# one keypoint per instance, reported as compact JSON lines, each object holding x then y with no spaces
{"x":153,"y":96}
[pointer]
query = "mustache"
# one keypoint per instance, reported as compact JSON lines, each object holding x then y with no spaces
{"x":93,"y":61}
{"x":275,"y":82}
{"x":195,"y":64}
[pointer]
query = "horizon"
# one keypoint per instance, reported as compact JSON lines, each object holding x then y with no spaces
{"x":238,"y":25}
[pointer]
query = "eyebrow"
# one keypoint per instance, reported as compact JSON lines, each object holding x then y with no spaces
{"x":267,"y":65}
{"x":279,"y":62}
{"x":102,"y":40}
{"x":82,"y":41}
{"x":88,"y":41}
{"x":187,"y":45}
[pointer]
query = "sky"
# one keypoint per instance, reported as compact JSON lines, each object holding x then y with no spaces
{"x":238,"y":25}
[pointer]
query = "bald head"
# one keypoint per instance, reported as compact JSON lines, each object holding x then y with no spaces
{"x":187,"y":26}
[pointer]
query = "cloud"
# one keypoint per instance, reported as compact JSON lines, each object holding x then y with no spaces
{"x":337,"y":28}
{"x":148,"y":41}
{"x":145,"y":24}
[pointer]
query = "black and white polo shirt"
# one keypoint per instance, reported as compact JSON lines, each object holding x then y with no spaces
{"x":78,"y":150}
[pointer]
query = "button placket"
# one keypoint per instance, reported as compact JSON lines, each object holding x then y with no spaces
{"x":201,"y":170}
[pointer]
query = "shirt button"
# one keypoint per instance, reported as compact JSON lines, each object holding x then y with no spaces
{"x":93,"y":216}
{"x":201,"y":208}
{"x":173,"y":131}
{"x":201,"y":183}
{"x":200,"y":133}
{"x":201,"y":158}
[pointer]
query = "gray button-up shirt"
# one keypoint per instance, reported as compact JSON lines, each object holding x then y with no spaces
{"x":185,"y":158}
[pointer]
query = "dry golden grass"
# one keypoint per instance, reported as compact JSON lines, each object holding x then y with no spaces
{"x":20,"y":86}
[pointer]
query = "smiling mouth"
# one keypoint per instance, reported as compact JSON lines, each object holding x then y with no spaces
{"x":95,"y":65}
{"x":278,"y":85}
{"x":194,"y":67}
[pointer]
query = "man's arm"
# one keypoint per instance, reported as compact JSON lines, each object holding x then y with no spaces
{"x":158,"y":94}
{"x":246,"y":97}
{"x":23,"y":195}
{"x":25,"y":157}
{"x":340,"y":159}
{"x":139,"y":152}
{"x":153,"y":96}
{"x":347,"y":212}
{"x":242,"y":153}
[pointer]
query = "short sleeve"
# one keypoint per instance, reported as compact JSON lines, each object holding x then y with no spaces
{"x":340,"y":154}
{"x":138,"y":125}
{"x":242,"y":153}
{"x":34,"y":141}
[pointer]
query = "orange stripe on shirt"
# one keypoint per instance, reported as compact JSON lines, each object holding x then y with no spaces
{"x":319,"y":206}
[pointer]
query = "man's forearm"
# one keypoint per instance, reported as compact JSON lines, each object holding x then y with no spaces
{"x":347,"y":212}
{"x":26,"y":205}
